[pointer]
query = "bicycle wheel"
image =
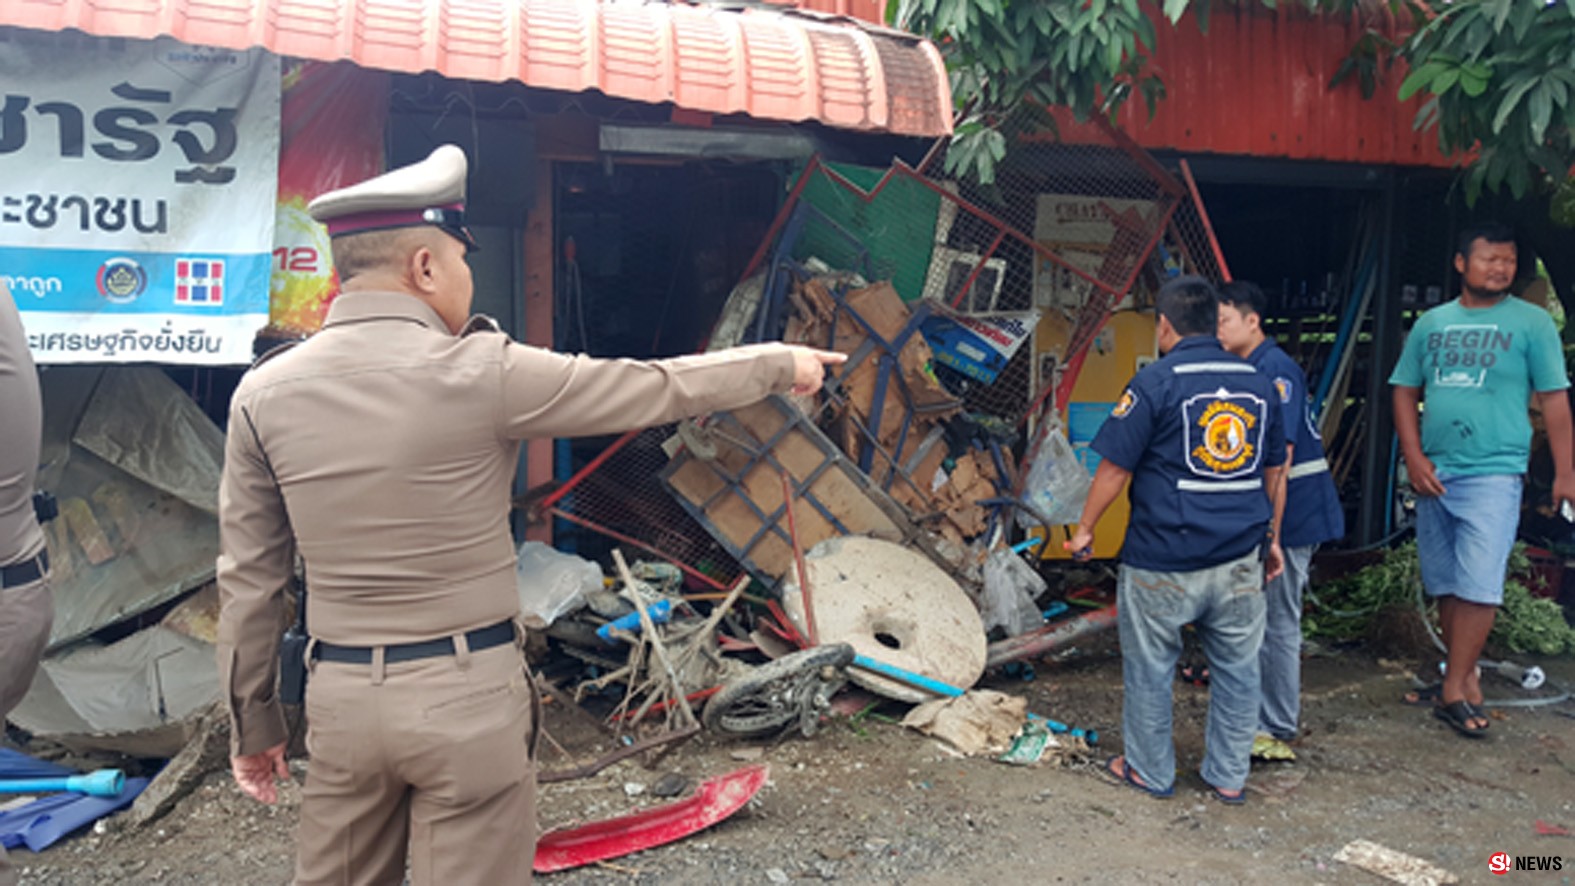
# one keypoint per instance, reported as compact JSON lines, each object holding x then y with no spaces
{"x":795,"y":687}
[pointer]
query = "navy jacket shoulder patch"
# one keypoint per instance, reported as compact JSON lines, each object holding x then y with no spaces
{"x":1129,"y":399}
{"x":1282,"y":386}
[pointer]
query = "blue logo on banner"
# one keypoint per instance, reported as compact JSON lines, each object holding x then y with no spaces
{"x":121,"y":280}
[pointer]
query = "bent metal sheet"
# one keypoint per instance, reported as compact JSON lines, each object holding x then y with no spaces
{"x":137,"y":186}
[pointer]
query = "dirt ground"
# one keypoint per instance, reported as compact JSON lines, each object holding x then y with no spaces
{"x":873,"y":802}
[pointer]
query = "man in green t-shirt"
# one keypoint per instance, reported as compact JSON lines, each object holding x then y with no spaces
{"x":1477,"y":361}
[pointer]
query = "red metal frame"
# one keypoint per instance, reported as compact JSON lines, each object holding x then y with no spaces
{"x":634,"y":542}
{"x":1208,"y":227}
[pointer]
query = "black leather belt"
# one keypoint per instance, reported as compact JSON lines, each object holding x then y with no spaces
{"x":477,"y":640}
{"x":25,"y":572}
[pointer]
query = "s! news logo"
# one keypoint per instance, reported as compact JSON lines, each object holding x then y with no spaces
{"x":1501,"y":863}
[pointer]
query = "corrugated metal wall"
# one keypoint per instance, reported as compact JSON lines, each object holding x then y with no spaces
{"x":867,"y":10}
{"x":1257,"y":85}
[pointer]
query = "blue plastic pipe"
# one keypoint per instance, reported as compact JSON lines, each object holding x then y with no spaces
{"x":660,"y":613}
{"x":945,"y":689}
{"x":917,"y":680}
{"x":103,"y":783}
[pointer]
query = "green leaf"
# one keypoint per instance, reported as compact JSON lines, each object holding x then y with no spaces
{"x":1418,"y":79}
{"x":1500,"y":10}
{"x":1112,"y":57}
{"x":1525,"y":15}
{"x":995,"y":142}
{"x":1507,"y":106}
{"x":1427,"y":116}
{"x":1444,"y":81}
{"x":1174,"y":9}
{"x":1541,"y":106}
{"x":1145,"y":33}
{"x":1474,"y":184}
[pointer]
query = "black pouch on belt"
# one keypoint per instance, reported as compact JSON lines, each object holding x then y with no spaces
{"x":292,"y":653}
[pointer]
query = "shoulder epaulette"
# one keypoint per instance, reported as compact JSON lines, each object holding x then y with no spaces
{"x":273,"y":352}
{"x":479,"y":323}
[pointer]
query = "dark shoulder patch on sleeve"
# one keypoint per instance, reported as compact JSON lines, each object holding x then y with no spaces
{"x":480,"y":323}
{"x":273,"y":352}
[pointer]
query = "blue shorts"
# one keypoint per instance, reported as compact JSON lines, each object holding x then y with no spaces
{"x":1463,"y":537}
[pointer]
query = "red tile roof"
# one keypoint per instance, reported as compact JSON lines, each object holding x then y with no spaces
{"x":772,"y":65}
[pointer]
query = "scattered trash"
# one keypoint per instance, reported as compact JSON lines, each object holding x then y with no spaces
{"x":633,"y":789}
{"x":747,"y":755}
{"x":1551,"y":830}
{"x":977,"y":722}
{"x":1030,"y":744}
{"x":1391,"y":865}
{"x":1010,"y":588}
{"x":552,"y":583}
{"x":670,"y":785}
{"x":1057,"y":483}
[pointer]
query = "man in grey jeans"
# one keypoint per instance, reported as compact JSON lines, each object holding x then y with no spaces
{"x":26,"y":609}
{"x":1200,"y":437}
{"x":1312,"y":516}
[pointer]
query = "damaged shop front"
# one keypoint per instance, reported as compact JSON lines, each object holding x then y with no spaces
{"x":734,"y":574}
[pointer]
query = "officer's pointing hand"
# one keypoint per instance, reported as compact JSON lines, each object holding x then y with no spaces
{"x":809,"y":368}
{"x":255,"y":772}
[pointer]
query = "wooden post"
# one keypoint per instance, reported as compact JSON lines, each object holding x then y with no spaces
{"x":538,"y":250}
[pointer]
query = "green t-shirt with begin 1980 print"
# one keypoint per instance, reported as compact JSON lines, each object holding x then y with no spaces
{"x":1477,"y":368}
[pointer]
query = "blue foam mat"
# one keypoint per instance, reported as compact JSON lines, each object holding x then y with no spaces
{"x":41,"y":823}
{"x":15,"y":764}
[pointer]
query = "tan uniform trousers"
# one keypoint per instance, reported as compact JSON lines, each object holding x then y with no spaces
{"x":437,"y":755}
{"x":27,"y":612}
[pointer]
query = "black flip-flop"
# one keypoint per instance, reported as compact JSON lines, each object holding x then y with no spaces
{"x":1196,"y":673}
{"x":1424,"y":696}
{"x":1124,"y":774}
{"x":1237,"y":799}
{"x":1458,"y":716}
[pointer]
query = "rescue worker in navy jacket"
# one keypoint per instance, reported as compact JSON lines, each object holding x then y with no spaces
{"x":1200,"y":437}
{"x":1311,"y":516}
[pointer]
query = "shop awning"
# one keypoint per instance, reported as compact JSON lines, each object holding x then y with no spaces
{"x":769,"y":64}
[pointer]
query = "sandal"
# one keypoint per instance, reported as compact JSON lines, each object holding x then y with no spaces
{"x":1124,"y":774}
{"x":1239,"y":798}
{"x":1424,"y":696}
{"x":1196,"y":673}
{"x":1458,"y":716}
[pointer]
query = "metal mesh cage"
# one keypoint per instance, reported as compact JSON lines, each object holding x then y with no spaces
{"x":1064,"y":236}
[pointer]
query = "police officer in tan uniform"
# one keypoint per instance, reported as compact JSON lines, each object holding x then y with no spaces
{"x":381,"y":452}
{"x":26,"y":609}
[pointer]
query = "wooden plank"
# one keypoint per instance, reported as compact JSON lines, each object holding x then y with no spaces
{"x":804,"y":452}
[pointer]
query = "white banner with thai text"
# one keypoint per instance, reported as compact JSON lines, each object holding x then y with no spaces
{"x":137,"y":192}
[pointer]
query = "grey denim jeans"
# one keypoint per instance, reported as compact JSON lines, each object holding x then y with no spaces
{"x":1281,"y":658}
{"x":1226,"y":605}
